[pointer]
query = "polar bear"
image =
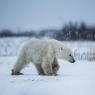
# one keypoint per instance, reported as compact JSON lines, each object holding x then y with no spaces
{"x":44,"y":54}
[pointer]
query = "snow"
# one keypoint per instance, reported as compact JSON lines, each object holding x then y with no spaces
{"x":73,"y":78}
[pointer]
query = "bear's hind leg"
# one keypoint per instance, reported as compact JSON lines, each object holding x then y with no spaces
{"x":20,"y":64}
{"x":17,"y":69}
{"x":39,"y":69}
{"x":16,"y":73}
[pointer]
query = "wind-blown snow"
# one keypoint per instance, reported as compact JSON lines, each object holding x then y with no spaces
{"x":82,"y":50}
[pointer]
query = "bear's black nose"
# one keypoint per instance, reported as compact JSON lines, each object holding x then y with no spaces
{"x":73,"y":61}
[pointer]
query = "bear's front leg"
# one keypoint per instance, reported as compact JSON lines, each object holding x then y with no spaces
{"x":39,"y":69}
{"x":55,"y":66}
{"x":47,"y":69}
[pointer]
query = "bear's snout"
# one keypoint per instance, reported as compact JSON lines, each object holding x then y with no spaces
{"x":72,"y":61}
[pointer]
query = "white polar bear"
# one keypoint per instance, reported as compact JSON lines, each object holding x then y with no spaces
{"x":44,"y":55}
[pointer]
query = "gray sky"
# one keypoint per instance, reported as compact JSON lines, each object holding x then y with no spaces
{"x":38,"y":14}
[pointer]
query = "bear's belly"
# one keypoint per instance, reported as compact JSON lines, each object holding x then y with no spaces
{"x":35,"y":59}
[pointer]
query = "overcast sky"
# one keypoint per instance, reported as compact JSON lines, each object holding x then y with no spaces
{"x":38,"y":14}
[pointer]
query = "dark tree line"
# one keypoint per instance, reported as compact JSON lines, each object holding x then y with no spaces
{"x":9,"y":33}
{"x":73,"y":31}
{"x":70,"y":31}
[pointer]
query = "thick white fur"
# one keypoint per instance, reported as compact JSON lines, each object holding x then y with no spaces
{"x":42,"y":53}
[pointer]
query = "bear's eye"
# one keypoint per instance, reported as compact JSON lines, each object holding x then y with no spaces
{"x":61,"y":48}
{"x":70,"y":55}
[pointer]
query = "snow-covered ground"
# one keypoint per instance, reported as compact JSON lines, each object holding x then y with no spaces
{"x":73,"y":78}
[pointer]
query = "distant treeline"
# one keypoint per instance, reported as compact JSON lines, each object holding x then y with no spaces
{"x":75,"y":31}
{"x":70,"y":31}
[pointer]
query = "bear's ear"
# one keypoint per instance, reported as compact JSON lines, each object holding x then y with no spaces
{"x":62,"y":48}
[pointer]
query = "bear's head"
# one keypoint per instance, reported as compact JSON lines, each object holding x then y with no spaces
{"x":66,"y":53}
